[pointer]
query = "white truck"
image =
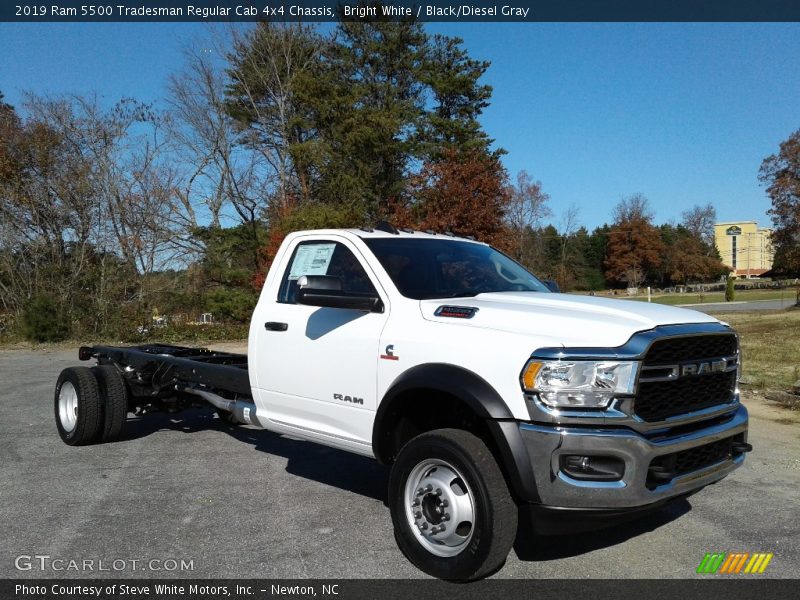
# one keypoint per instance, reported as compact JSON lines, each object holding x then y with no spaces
{"x":489,"y":395}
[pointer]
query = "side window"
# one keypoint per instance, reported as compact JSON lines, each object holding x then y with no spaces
{"x":323,"y":258}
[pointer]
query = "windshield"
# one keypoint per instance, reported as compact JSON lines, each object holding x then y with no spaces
{"x":447,"y":268}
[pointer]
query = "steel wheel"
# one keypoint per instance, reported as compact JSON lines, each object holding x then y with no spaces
{"x":452,"y":512}
{"x":78,"y":408}
{"x":440,"y":507}
{"x":68,"y":406}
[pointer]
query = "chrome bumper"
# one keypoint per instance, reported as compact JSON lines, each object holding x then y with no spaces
{"x":555,"y":488}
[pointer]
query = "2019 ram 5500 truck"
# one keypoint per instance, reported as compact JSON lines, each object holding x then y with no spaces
{"x":440,"y":356}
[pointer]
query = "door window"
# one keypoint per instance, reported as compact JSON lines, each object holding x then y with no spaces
{"x":324,"y":258}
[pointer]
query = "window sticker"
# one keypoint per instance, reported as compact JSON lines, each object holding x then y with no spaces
{"x":311,"y":259}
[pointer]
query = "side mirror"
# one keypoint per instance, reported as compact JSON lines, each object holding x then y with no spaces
{"x":326,"y":292}
{"x":552,"y":286}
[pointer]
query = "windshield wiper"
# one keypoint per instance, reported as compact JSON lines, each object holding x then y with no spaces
{"x":459,"y":294}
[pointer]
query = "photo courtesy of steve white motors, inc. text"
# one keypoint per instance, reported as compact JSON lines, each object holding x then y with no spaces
{"x":138,"y":590}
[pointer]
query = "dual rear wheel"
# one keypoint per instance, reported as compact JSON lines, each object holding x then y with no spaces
{"x":91,"y":405}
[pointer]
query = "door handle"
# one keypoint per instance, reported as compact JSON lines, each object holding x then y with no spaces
{"x":275,"y":326}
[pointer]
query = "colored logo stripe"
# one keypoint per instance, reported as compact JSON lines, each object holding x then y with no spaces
{"x":758,"y":563}
{"x":733,"y":563}
{"x":711,"y":563}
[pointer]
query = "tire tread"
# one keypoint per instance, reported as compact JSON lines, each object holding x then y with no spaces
{"x":114,"y":397}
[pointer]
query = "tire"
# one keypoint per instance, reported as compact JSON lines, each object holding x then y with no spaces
{"x":78,"y":408}
{"x":114,"y":395}
{"x":474,"y":506}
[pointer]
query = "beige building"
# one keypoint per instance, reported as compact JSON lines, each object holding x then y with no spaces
{"x":744,"y":247}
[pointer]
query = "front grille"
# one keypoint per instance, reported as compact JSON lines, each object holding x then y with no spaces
{"x":660,"y":400}
{"x":664,"y":468}
{"x":669,"y":351}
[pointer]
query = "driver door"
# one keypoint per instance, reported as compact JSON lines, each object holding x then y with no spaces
{"x":317,"y":373}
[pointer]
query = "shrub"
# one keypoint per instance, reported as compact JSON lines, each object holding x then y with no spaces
{"x":43,"y":321}
{"x":231,"y":304}
{"x":729,"y":289}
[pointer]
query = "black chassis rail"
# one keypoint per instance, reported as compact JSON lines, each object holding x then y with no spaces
{"x":162,"y":369}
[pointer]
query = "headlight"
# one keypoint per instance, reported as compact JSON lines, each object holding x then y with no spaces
{"x":579,"y":383}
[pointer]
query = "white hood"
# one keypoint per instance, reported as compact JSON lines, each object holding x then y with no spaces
{"x":569,"y":320}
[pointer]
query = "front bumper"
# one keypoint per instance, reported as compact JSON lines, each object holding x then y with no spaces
{"x":547,"y":443}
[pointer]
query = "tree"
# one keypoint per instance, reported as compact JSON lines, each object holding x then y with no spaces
{"x":594,"y":255}
{"x":221,"y":175}
{"x":347,"y":118}
{"x":452,"y":78}
{"x":377,"y":64}
{"x":687,"y":258}
{"x":634,"y":247}
{"x":466,"y":194}
{"x":781,"y":174}
{"x":569,"y":262}
{"x":268,"y":94}
{"x":699,"y":222}
{"x":635,"y":207}
{"x":85,"y":206}
{"x":526,"y":208}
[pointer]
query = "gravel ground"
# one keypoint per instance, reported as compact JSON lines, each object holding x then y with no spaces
{"x":242,"y":503}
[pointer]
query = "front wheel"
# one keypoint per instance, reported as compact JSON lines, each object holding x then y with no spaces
{"x":453,"y":514}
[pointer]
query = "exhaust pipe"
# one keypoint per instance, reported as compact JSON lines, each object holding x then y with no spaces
{"x":243,"y":412}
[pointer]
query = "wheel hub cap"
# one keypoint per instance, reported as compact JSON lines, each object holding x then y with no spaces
{"x":68,"y":406}
{"x":439,"y":508}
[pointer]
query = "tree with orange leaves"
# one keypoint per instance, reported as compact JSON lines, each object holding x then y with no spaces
{"x":634,"y":244}
{"x":465,"y":193}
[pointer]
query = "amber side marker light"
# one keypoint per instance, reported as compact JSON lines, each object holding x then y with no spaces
{"x":529,"y":375}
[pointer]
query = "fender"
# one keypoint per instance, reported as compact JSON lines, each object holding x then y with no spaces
{"x":482,"y":399}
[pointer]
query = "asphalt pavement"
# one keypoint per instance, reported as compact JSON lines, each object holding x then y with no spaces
{"x":240,"y":503}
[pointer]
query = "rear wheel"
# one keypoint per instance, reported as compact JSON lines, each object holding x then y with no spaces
{"x":453,"y":514}
{"x":114,"y":396}
{"x":78,"y":408}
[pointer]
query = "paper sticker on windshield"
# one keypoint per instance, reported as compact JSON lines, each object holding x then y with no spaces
{"x":311,"y":259}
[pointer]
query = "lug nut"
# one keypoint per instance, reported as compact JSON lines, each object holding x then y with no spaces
{"x":420,"y":491}
{"x":446,"y":517}
{"x":415,"y":502}
{"x":417,"y":515}
{"x":428,"y":487}
{"x":424,"y":526}
{"x":445,"y":503}
{"x":438,"y":491}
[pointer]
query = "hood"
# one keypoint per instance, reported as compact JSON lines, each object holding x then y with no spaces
{"x":567,"y":319}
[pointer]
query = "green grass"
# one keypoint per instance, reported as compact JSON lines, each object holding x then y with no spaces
{"x":770,"y":347}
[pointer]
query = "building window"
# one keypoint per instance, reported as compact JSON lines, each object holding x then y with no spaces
{"x":733,"y":252}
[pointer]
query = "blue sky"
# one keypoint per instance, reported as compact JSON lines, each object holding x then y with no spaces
{"x":683,"y":113}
